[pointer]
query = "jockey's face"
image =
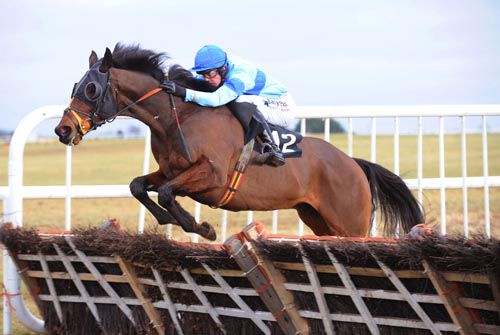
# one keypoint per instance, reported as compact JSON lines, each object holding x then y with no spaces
{"x":213,"y":77}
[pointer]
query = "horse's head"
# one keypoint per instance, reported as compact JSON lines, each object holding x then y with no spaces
{"x":92,"y":101}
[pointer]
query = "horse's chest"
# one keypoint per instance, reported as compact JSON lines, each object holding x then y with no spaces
{"x":170,"y":167}
{"x":169,"y":162}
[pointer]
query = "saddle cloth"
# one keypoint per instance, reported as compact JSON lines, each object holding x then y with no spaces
{"x":287,"y":141}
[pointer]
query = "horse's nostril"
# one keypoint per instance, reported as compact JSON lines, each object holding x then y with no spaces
{"x":62,"y":131}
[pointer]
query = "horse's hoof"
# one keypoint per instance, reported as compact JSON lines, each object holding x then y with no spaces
{"x":110,"y":224}
{"x":420,"y":231}
{"x":207,"y":231}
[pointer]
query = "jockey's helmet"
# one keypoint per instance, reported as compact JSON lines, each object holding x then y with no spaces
{"x":209,"y":57}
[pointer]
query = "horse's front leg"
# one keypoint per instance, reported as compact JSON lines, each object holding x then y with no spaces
{"x":139,"y":188}
{"x":196,"y":179}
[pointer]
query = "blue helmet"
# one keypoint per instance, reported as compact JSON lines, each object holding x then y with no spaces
{"x":209,"y":57}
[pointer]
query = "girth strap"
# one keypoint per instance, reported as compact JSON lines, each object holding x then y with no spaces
{"x":237,"y":176}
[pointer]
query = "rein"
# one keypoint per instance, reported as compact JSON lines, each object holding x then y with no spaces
{"x":185,"y":150}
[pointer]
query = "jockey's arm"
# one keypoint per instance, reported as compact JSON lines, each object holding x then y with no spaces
{"x":232,"y":88}
{"x":221,"y":96}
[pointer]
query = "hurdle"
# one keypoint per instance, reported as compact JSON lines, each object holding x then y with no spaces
{"x":107,"y":281}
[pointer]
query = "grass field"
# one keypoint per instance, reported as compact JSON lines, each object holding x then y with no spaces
{"x":118,"y":161}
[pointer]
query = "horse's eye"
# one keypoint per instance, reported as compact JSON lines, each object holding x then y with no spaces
{"x":93,"y":90}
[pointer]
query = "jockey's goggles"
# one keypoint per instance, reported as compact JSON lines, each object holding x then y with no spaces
{"x":209,"y":74}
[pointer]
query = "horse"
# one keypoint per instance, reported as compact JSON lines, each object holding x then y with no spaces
{"x":333,"y":193}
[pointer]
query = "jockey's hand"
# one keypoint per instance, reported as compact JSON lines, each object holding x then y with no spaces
{"x":172,"y":88}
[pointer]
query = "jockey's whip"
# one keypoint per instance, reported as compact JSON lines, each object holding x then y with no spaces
{"x":185,"y":150}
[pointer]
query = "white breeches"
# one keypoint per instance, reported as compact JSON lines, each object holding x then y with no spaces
{"x":279,"y":110}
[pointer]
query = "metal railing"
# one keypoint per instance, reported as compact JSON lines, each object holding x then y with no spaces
{"x":420,"y":183}
{"x":13,"y":195}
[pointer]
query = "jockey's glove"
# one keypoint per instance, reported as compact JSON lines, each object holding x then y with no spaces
{"x":173,"y":88}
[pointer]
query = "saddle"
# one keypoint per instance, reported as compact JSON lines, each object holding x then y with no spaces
{"x":287,"y":140}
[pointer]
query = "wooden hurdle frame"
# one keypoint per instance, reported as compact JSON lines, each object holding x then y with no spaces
{"x":268,"y":283}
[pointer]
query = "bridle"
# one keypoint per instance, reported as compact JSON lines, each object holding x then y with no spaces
{"x":92,"y":120}
{"x":87,"y":121}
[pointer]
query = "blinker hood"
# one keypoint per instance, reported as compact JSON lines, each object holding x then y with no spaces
{"x":94,"y":90}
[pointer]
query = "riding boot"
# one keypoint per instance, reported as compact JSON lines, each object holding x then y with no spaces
{"x":271,"y":153}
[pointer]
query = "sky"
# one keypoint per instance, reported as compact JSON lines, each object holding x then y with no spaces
{"x":334,"y":52}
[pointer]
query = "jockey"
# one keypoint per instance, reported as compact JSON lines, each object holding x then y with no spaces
{"x":237,"y":79}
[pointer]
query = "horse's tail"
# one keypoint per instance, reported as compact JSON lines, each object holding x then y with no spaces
{"x":390,"y":193}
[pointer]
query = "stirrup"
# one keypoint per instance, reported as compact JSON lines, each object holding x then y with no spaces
{"x":276,"y":159}
{"x":266,"y":147}
{"x":270,"y":155}
{"x":270,"y":158}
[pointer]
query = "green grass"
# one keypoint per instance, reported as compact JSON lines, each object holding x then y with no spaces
{"x":118,"y":161}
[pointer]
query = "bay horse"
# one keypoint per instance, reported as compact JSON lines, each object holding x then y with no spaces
{"x":333,"y":193}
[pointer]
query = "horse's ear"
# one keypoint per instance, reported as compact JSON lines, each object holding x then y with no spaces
{"x":92,"y":59}
{"x":107,"y":61}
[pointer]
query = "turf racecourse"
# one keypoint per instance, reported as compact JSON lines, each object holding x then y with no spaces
{"x":117,"y":161}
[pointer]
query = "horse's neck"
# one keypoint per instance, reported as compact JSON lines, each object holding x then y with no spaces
{"x":164,"y":118}
{"x":153,"y":111}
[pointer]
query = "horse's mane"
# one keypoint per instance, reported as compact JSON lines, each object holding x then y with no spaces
{"x":185,"y":78}
{"x":133,"y":57}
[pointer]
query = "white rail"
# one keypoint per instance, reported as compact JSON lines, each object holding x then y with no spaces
{"x":13,"y":195}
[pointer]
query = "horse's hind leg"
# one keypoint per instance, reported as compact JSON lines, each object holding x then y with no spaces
{"x":139,"y":188}
{"x":325,"y":221}
{"x":343,"y":200}
{"x":313,"y":219}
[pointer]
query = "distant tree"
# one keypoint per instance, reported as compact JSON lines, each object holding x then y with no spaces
{"x":134,"y":131}
{"x":315,"y":126}
{"x":5,"y":135}
{"x":119,"y":133}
